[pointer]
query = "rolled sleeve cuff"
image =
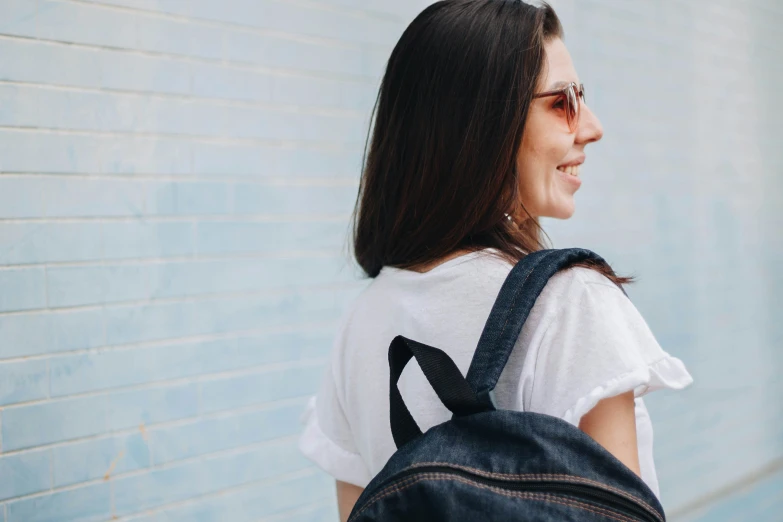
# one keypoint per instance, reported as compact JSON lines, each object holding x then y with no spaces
{"x":338,"y":462}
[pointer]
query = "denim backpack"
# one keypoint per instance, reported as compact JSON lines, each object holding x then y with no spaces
{"x":491,"y":464}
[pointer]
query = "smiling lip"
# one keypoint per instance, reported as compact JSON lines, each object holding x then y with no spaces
{"x":571,"y":180}
{"x":577,"y":161}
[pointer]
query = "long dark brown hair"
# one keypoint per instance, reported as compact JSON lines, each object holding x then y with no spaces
{"x":440,"y":171}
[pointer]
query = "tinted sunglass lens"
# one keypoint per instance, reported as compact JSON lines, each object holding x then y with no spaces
{"x":573,"y":106}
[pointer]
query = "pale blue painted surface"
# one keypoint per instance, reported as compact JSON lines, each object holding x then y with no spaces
{"x":175,"y":183}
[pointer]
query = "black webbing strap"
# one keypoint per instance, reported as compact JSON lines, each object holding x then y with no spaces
{"x":442,"y":374}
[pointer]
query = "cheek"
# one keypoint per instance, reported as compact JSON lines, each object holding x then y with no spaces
{"x":537,"y":161}
{"x":538,"y":158}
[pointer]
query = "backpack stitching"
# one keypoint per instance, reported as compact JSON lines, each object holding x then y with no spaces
{"x":518,"y":291}
{"x":395,"y":488}
{"x":539,"y":476}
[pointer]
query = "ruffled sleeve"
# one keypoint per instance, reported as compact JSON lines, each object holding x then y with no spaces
{"x":598,"y":346}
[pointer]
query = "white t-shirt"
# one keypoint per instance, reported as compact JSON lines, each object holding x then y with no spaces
{"x":584,"y":341}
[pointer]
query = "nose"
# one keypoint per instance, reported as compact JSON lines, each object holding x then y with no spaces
{"x":590,"y":128}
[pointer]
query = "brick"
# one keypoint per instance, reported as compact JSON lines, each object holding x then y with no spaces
{"x":98,"y":458}
{"x":94,"y":68}
{"x":316,"y":163}
{"x":142,"y":155}
{"x":19,"y":17}
{"x":24,"y":474}
{"x":66,"y":65}
{"x":23,"y":243}
{"x":202,"y":198}
{"x":68,"y":419}
{"x":22,"y":289}
{"x":75,"y":286}
{"x":141,"y":492}
{"x":50,"y":332}
{"x":40,"y":106}
{"x":24,"y":151}
{"x":82,"y":373}
{"x":141,"y":239}
{"x":191,"y":278}
{"x":63,"y":22}
{"x":306,"y":91}
{"x":37,"y":424}
{"x":291,"y":54}
{"x":246,"y":237}
{"x":321,"y":22}
{"x":296,"y":200}
{"x":23,"y":381}
{"x":232,"y":83}
{"x":138,"y":323}
{"x":260,"y":387}
{"x":205,"y":436}
{"x":133,"y":408}
{"x":179,"y":37}
{"x":318,"y":513}
{"x":292,"y":162}
{"x":144,"y":73}
{"x":86,"y":504}
{"x":88,"y":198}
{"x":359,"y":95}
{"x":20,"y":197}
{"x":249,"y":503}
{"x":289,"y":18}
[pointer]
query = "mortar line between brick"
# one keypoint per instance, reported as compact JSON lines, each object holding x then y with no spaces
{"x":169,"y":465}
{"x":188,"y":58}
{"x":297,"y":37}
{"x":48,"y":376}
{"x":279,"y":255}
{"x":343,"y":180}
{"x":179,"y":381}
{"x":294,"y":475}
{"x":202,"y":220}
{"x":51,"y":469}
{"x":202,"y":100}
{"x":200,"y":298}
{"x":45,"y":286}
{"x":314,"y":327}
{"x":299,"y":402}
{"x":191,"y":138}
{"x":285,"y":515}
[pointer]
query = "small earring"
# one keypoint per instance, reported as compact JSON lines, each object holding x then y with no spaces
{"x":507,"y":216}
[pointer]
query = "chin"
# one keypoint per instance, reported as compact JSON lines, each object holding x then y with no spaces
{"x":560,"y":212}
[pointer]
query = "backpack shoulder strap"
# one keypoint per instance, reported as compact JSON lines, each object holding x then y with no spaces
{"x":513,"y":305}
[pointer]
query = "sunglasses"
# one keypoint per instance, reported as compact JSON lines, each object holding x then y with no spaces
{"x":570,"y":95}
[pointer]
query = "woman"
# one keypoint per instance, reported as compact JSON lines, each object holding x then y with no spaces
{"x":480,"y":129}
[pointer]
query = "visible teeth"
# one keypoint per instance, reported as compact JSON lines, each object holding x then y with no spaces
{"x":573,"y":170}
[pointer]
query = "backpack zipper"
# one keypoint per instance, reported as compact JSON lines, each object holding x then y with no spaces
{"x":595,"y":494}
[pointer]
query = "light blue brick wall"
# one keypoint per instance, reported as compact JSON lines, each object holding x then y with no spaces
{"x":175,"y":183}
